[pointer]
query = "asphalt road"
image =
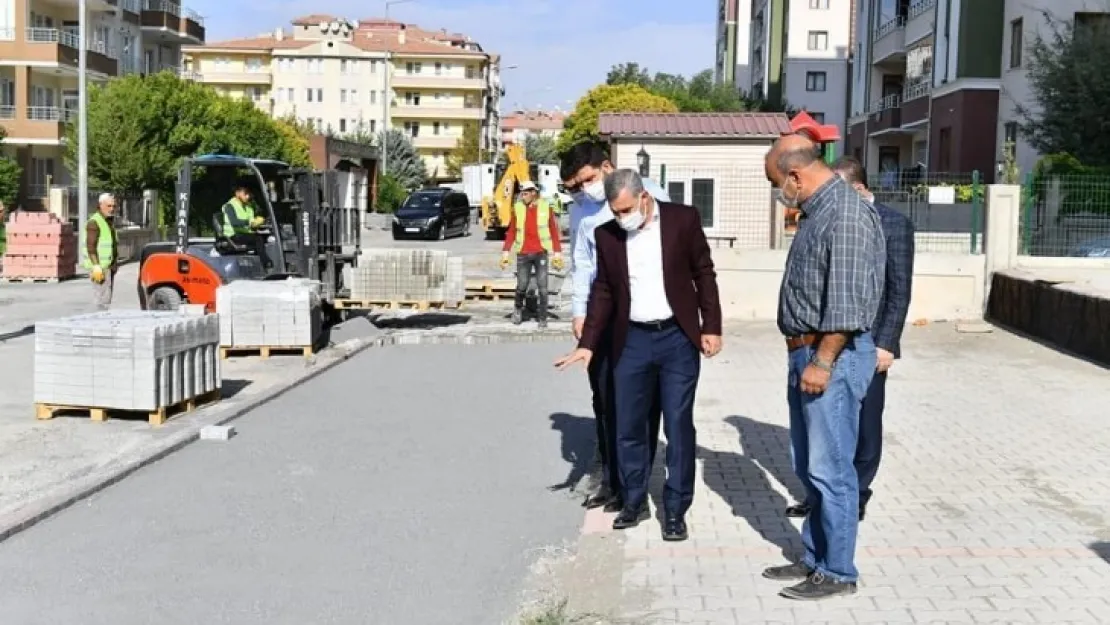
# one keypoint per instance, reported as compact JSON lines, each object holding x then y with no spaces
{"x":407,"y":486}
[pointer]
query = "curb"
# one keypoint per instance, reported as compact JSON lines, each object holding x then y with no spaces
{"x":42,"y":509}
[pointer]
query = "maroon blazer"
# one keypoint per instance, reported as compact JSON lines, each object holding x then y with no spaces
{"x":688,"y":276}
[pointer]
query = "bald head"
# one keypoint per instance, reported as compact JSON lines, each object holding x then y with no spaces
{"x":794,"y":165}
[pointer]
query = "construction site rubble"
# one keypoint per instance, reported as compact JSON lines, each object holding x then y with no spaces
{"x":279,"y":313}
{"x":126,"y":359}
{"x":39,"y":247}
{"x":393,"y":275}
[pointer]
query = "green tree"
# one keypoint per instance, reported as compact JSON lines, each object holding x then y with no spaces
{"x":10,"y":173}
{"x":467,"y":151}
{"x":625,"y":98}
{"x":403,"y":162}
{"x":698,"y":94}
{"x":629,"y":73}
{"x":1067,"y":75}
{"x":541,"y":149}
{"x":390,"y":194}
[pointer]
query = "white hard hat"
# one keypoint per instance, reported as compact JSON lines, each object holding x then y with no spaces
{"x":528,"y":186}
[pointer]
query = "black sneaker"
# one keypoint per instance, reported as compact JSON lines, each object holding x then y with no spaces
{"x":798,"y":511}
{"x":818,"y":586}
{"x":789,"y":572}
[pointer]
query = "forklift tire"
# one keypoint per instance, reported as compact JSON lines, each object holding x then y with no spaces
{"x":164,"y":298}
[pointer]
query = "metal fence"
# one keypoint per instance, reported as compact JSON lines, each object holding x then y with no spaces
{"x":1066,"y":216}
{"x":947,"y":209}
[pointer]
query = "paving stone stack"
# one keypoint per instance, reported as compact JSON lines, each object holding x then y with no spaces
{"x":392,"y":275}
{"x":282,"y":313}
{"x":40,"y":247}
{"x":126,"y":359}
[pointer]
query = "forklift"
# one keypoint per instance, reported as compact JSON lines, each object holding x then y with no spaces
{"x":306,"y":233}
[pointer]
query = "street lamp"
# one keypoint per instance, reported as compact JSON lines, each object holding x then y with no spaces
{"x":82,"y":117}
{"x":643,"y":159}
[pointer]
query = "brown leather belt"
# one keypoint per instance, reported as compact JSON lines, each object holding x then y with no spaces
{"x":797,"y":342}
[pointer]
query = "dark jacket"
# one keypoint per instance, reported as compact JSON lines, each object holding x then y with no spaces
{"x":688,"y":276}
{"x":895,"y":305}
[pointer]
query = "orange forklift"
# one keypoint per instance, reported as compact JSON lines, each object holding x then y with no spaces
{"x":307,"y":232}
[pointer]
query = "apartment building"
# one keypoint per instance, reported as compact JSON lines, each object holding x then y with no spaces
{"x":733,"y":49}
{"x":363,"y":76}
{"x":800,"y":54}
{"x":39,"y":44}
{"x":517,"y":126}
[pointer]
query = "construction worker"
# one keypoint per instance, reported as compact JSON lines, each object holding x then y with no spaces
{"x":533,"y":235}
{"x":240,"y":221}
{"x":100,"y":250}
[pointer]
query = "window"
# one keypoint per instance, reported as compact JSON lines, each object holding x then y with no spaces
{"x":439,"y":69}
{"x":254,"y":65}
{"x":354,"y":96}
{"x":701,"y":191}
{"x":818,"y":40}
{"x":7,"y":92}
{"x":373,"y":125}
{"x":816,"y":81}
{"x":1015,"y":43}
{"x":290,"y":95}
{"x":343,"y":67}
{"x":342,"y":125}
{"x":319,"y":95}
{"x":373,"y":66}
{"x":819,"y":4}
{"x":308,"y":95}
{"x":413,"y":68}
{"x":435,"y":128}
{"x":1010,"y":136}
{"x":677,"y":191}
{"x":944,"y":150}
{"x":255,"y":94}
{"x":412,"y":99}
{"x":342,"y":96}
{"x":817,"y":116}
{"x":373,"y":97}
{"x":412,"y":129}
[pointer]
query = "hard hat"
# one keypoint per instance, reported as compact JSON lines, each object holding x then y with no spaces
{"x":528,"y":185}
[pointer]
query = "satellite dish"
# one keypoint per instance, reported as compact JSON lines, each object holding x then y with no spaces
{"x":323,"y":27}
{"x":335,"y":27}
{"x":346,"y":28}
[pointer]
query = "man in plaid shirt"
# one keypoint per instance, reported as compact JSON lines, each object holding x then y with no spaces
{"x":887,"y":330}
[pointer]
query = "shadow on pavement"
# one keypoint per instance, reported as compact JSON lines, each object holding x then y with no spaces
{"x":579,"y":444}
{"x":418,"y":321}
{"x":18,"y":333}
{"x":1102,"y":550}
{"x":231,"y":388}
{"x":744,"y":480}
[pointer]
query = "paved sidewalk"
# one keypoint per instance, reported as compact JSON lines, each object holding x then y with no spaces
{"x":992,"y":503}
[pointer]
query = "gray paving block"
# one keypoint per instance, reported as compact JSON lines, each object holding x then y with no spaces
{"x":388,"y":275}
{"x":284,"y":313}
{"x":126,"y":359}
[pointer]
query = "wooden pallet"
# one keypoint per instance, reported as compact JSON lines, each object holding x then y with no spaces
{"x":355,"y":304}
{"x":15,"y":280}
{"x":493,"y":295}
{"x":265,"y":351}
{"x":157,"y":417}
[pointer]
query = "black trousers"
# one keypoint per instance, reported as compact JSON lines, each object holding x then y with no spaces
{"x":605,"y":416}
{"x":526,"y":264}
{"x":869,"y":449}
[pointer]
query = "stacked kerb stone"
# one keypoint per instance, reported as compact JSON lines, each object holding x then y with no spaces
{"x":40,"y":247}
{"x":126,"y":359}
{"x":391,"y":275}
{"x":283,"y":313}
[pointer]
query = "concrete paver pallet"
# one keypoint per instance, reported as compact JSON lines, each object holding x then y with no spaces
{"x":265,"y":351}
{"x":24,"y":280}
{"x":155,"y":417}
{"x":359,"y":304}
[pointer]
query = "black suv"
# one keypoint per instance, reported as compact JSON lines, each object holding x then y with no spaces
{"x":432,"y":214}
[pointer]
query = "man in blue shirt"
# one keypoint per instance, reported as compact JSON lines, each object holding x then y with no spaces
{"x":583,"y":170}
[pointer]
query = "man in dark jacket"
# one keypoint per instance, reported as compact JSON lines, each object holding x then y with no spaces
{"x":887,"y":330}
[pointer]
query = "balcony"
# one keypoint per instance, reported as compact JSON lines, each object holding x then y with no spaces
{"x":230,"y":78}
{"x":166,"y":21}
{"x":40,"y":124}
{"x":919,"y":20}
{"x":436,"y":142}
{"x":134,"y":7}
{"x":431,"y":112}
{"x":915,"y":102}
{"x":890,"y":41}
{"x":52,"y":46}
{"x":885,"y":114}
{"x":423,"y":81}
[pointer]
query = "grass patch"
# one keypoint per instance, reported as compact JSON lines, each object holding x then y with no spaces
{"x":559,"y":614}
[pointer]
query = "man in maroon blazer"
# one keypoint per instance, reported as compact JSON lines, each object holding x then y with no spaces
{"x":656,"y":290}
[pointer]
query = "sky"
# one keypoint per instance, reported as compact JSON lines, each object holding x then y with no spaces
{"x":561,"y":48}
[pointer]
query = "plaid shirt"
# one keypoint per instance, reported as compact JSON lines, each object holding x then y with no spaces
{"x":895,"y":305}
{"x":834,"y":279}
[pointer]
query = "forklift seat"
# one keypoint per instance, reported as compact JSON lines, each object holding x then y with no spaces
{"x":224,"y":245}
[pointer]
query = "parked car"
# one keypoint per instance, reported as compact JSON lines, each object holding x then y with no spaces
{"x":432,"y":214}
{"x":1093,"y":248}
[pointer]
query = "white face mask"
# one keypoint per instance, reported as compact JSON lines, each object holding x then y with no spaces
{"x":595,"y":191}
{"x":632,"y":221}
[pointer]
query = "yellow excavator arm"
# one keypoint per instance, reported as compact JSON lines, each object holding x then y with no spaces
{"x":497,"y":209}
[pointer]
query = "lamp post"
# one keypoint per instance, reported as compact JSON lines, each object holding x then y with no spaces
{"x":82,"y":118}
{"x":643,"y":159}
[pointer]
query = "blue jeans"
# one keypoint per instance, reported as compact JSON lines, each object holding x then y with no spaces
{"x":657,"y":369}
{"x":824,"y":430}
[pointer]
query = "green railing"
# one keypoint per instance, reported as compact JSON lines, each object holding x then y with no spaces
{"x":946,"y":208}
{"x":1066,"y":215}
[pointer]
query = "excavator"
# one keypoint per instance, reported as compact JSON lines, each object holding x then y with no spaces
{"x":497,"y":209}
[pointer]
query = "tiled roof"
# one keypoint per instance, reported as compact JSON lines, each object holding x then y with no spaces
{"x":314,"y":19}
{"x":694,"y":125}
{"x":533,"y":120}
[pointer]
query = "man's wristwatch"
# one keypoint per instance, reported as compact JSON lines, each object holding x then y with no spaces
{"x":822,"y":365}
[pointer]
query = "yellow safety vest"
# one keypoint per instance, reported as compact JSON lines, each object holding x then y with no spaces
{"x":243,"y":212}
{"x":105,"y":243}
{"x":543,"y":223}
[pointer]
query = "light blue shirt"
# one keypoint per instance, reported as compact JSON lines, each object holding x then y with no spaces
{"x":584,"y":250}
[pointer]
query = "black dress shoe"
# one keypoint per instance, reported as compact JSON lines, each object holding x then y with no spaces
{"x":616,"y":504}
{"x":862,"y":511}
{"x":818,"y":586}
{"x":798,"y":511}
{"x":674,"y":529}
{"x":630,"y":517}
